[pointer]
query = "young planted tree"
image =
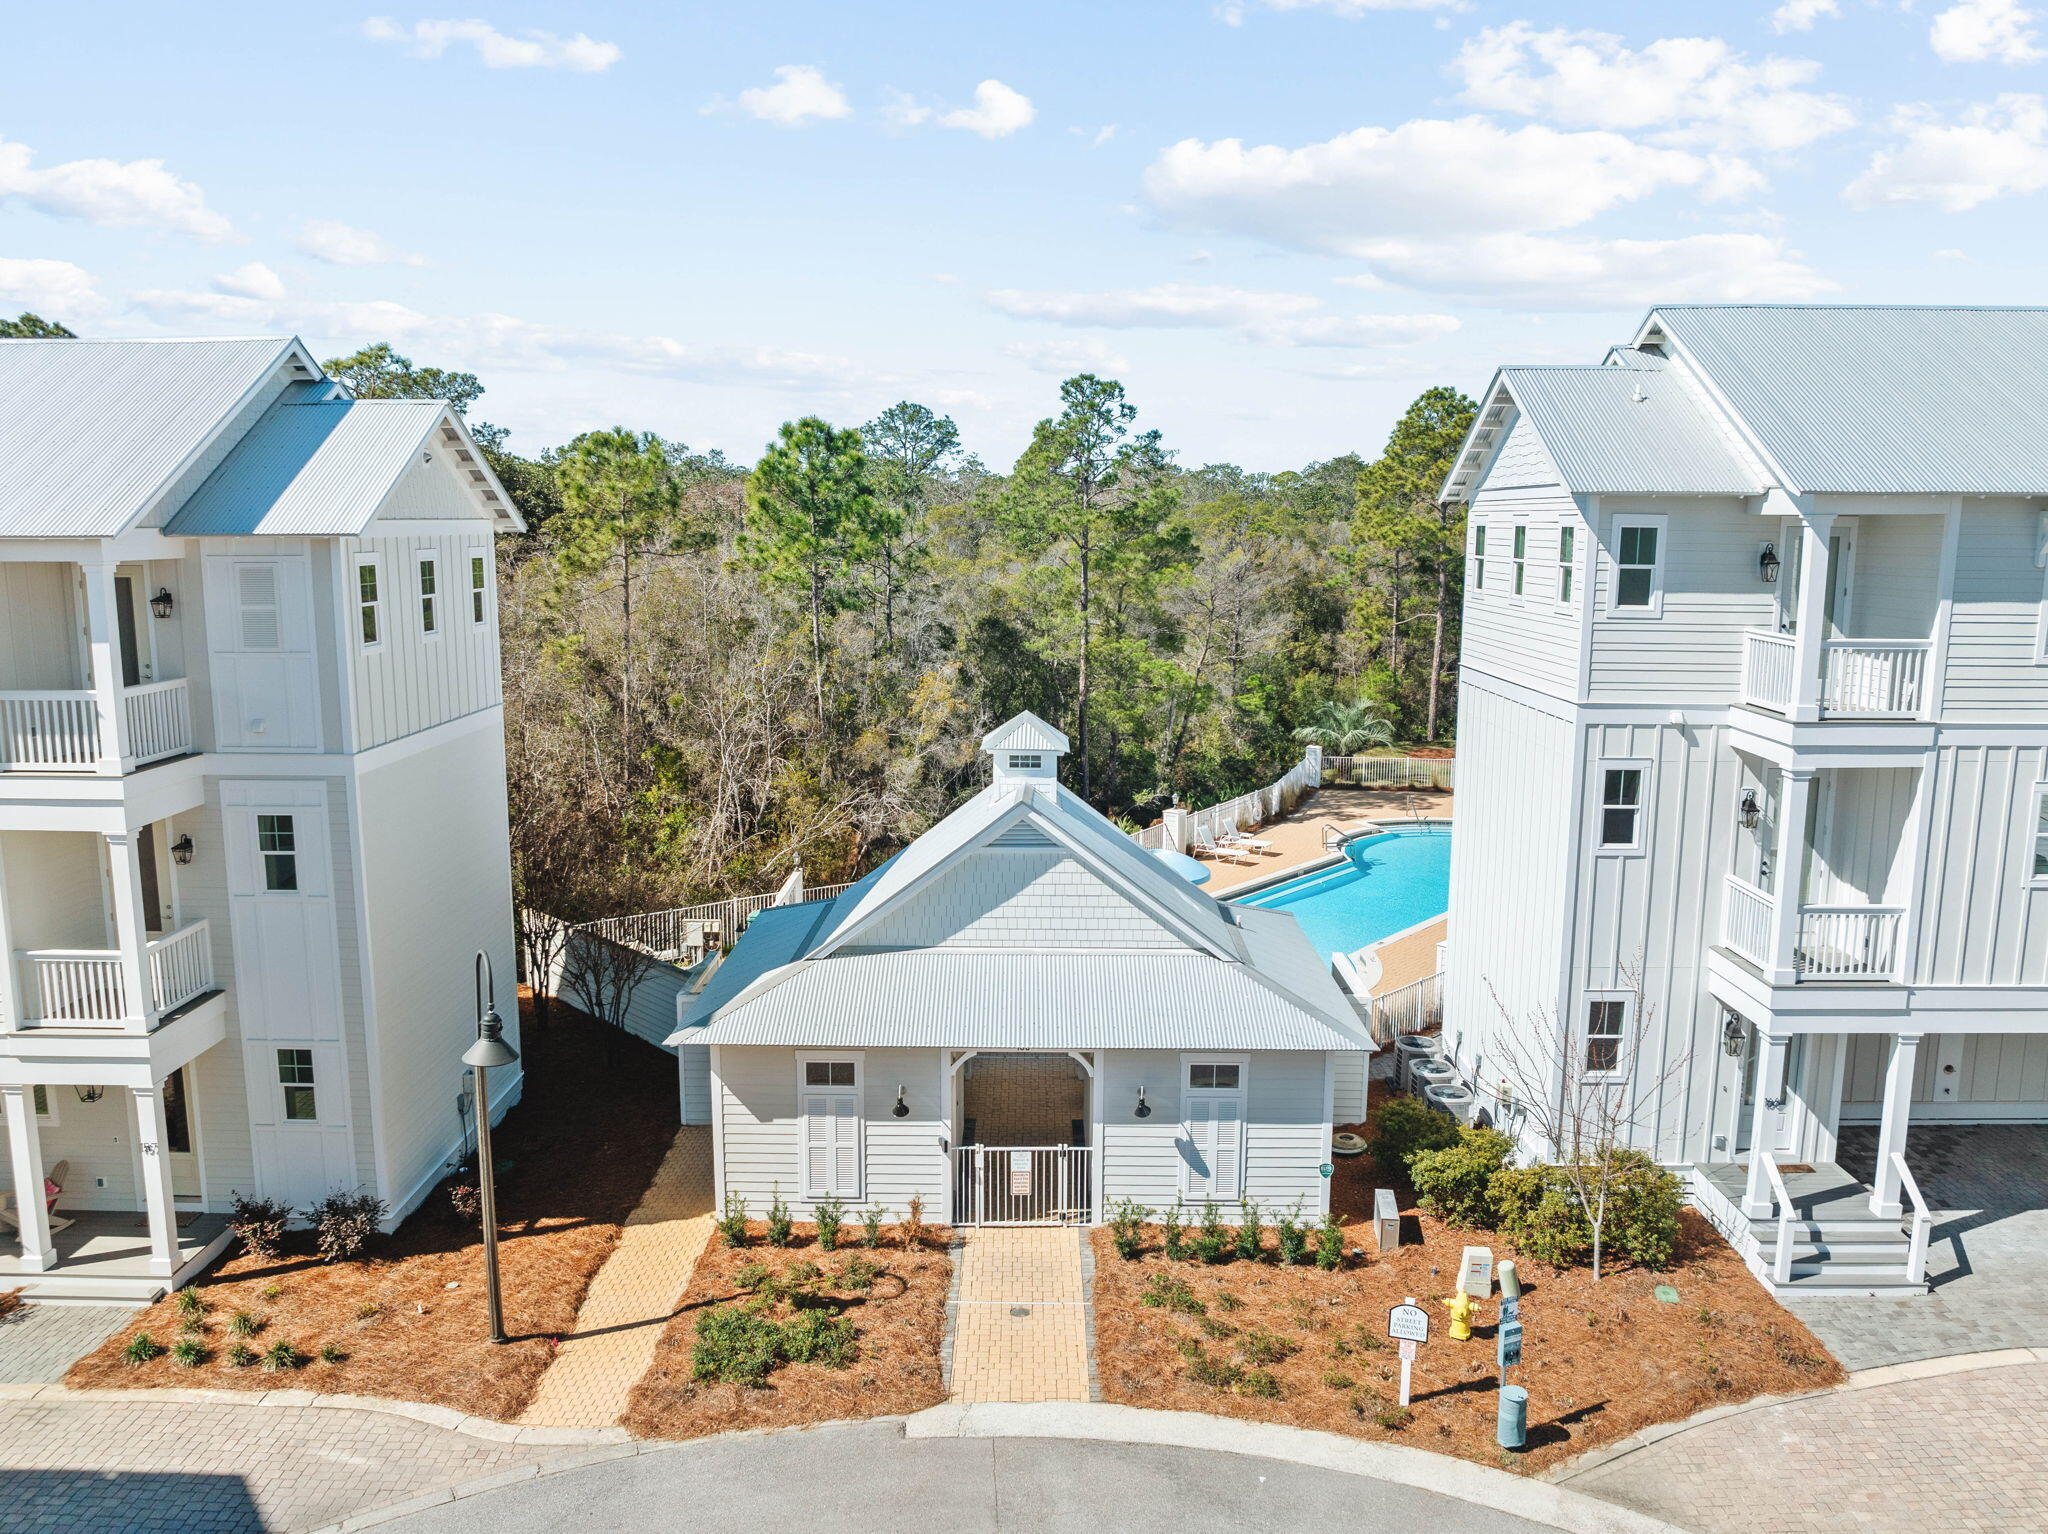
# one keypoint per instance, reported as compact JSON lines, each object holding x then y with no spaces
{"x":906,"y":445}
{"x":812,"y":520}
{"x":1097,"y":502}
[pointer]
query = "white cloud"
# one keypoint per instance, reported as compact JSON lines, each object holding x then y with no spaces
{"x":997,"y":112}
{"x":1566,"y":272}
{"x":1426,"y":178}
{"x":1995,"y":149}
{"x":111,"y":193}
{"x":800,"y":94}
{"x":1951,"y":254}
{"x":1984,"y":32}
{"x":498,"y":50}
{"x":53,"y":289}
{"x":1800,"y":15}
{"x":340,"y":244}
{"x":1233,"y":11}
{"x":1698,"y":90}
{"x":250,"y":280}
{"x":1269,"y":318}
{"x":1068,"y":357}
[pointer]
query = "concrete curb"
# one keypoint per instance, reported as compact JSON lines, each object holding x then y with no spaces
{"x":1862,"y":1379}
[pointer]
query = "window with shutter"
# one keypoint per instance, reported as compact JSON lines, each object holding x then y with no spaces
{"x":259,"y":619}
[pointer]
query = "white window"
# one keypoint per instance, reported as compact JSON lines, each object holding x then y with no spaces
{"x":430,"y":594}
{"x":479,"y":590}
{"x":369,"y":603}
{"x":299,"y":1092}
{"x":1567,"y":553}
{"x":277,"y":843}
{"x":1479,"y":557}
{"x":1606,"y":1035}
{"x":1639,"y":566}
{"x":828,"y":1108}
{"x":1022,"y":763}
{"x":1212,"y":1126}
{"x":259,"y":612}
{"x":46,"y":1112}
{"x":1621,"y":806}
{"x":1521,"y":560}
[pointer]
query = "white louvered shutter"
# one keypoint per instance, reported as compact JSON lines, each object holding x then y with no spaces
{"x":1226,"y":1165}
{"x":845,"y":1148}
{"x":831,"y":1128}
{"x":259,"y":616}
{"x":1196,"y":1167}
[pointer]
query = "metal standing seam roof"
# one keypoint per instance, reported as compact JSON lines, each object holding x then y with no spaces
{"x":311,"y":468}
{"x":1026,"y":732}
{"x":92,"y":431}
{"x":1852,"y":399}
{"x":1632,"y":429}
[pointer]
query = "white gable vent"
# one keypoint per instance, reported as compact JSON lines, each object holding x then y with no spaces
{"x":1023,"y":834}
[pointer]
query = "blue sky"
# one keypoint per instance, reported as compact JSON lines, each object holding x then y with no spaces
{"x":1275,"y":220}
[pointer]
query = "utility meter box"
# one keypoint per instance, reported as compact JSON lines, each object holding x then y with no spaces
{"x":1386,"y":1219}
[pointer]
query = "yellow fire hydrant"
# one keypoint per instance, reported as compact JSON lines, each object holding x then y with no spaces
{"x":1461,"y":1305}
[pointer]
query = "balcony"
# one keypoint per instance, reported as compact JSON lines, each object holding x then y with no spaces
{"x":1859,"y":678}
{"x":83,"y":988}
{"x":1829,"y":942}
{"x":64,"y":732}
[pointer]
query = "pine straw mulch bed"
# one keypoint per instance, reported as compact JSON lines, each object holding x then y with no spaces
{"x":1600,"y":1360}
{"x":408,"y":1315}
{"x":900,"y":1323}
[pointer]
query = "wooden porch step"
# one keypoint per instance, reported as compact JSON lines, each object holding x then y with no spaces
{"x":52,"y":1289}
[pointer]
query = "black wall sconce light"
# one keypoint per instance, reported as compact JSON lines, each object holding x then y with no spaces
{"x":1144,"y":1109}
{"x":902,"y":1108}
{"x":163,"y":603}
{"x":90,"y":1094}
{"x":1732,"y":1034}
{"x":181,"y":850}
{"x":1751,"y":811}
{"x":1768,"y":563}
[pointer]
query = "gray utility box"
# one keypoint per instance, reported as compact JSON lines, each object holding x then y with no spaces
{"x":1386,"y":1219}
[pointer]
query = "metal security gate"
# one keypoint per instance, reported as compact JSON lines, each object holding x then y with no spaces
{"x":1022,"y":1185}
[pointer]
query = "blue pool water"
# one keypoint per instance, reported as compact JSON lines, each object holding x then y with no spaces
{"x":1386,"y":884}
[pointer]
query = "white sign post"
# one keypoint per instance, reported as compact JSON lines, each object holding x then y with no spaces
{"x":1408,"y":1324}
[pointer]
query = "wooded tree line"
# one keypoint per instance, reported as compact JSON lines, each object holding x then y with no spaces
{"x":713,"y":673}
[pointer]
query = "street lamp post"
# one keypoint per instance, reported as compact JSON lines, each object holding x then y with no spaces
{"x":489,"y":1050}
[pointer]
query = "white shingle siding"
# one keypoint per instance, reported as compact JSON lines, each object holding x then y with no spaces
{"x":1003,"y":899}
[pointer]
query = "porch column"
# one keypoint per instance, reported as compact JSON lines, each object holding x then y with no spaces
{"x":1770,"y":1090}
{"x":103,"y":641}
{"x":131,"y":933}
{"x":11,"y":1011}
{"x":1810,"y":645}
{"x":1891,"y":1129}
{"x":152,"y":1139}
{"x":25,"y":1158}
{"x":1788,"y":882}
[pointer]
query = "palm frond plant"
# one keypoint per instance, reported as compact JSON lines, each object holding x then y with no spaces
{"x":1345,"y":729}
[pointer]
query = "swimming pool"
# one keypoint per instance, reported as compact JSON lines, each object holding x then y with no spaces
{"x":1386,"y":884}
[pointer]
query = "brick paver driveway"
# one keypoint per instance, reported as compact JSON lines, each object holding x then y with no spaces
{"x":1960,"y":1452}
{"x":164,"y":1468}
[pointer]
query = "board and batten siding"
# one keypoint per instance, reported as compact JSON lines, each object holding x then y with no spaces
{"x":1286,"y":1130}
{"x":1998,"y":1077}
{"x":40,"y":649}
{"x":411,"y":680}
{"x":437,"y":886}
{"x":1895,"y":577}
{"x":1692,"y":652}
{"x":1995,"y":618}
{"x":761,"y":1140}
{"x":1533,"y":639}
{"x":1983,"y":919}
{"x":1862,"y":836}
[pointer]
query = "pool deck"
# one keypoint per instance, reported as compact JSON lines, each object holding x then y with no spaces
{"x":1297,"y":836}
{"x":1409,"y":957}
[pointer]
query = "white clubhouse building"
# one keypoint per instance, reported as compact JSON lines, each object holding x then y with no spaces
{"x":1753,"y":739}
{"x":252,"y":821}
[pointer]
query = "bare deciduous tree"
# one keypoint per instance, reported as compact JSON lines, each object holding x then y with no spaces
{"x":604,"y":976}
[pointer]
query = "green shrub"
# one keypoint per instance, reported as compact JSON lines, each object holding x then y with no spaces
{"x":858,"y":1274}
{"x":1329,"y":1244}
{"x":1215,"y":1329}
{"x":1293,"y":1240}
{"x":330,"y":1354}
{"x":829,"y":1214}
{"x":281,"y":1355}
{"x":193,"y":1325}
{"x":1336,"y":1379}
{"x":779,"y":1222}
{"x":752,"y":1277}
{"x":1205,"y":1370}
{"x":1257,"y":1382}
{"x":871,"y":1226}
{"x":242,"y":1324}
{"x":241,"y":1355}
{"x":817,"y":1337}
{"x":1165,"y":1292}
{"x":1263,"y":1347}
{"x":1250,"y":1244}
{"x":141,"y":1349}
{"x":261,"y":1223}
{"x":1227,"y":1302}
{"x":1127,"y":1228}
{"x":1453,"y":1182}
{"x":189,"y":1351}
{"x":1642,"y":1210}
{"x":734,"y":1347}
{"x":1536,"y":1209}
{"x":1403,"y":1126}
{"x":1211,"y":1243}
{"x":1176,"y":1235}
{"x":732,"y":1225}
{"x":189,"y":1302}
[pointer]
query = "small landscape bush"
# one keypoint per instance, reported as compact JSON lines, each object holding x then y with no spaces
{"x":1263,"y":1347}
{"x":330,"y":1354}
{"x":189,"y":1302}
{"x":344,"y":1222}
{"x":467,"y":1200}
{"x":829,"y":1214}
{"x":189,"y":1351}
{"x":1454,"y":1182}
{"x":1293,"y":1240}
{"x":858,"y":1274}
{"x":243,"y":1324}
{"x":871,"y":1226}
{"x":732,"y":1225}
{"x":1329,"y":1244}
{"x":1250,"y":1246}
{"x":1403,"y":1126}
{"x":735,"y":1347}
{"x":1176,"y":1235}
{"x":817,"y":1337}
{"x":913,"y":1227}
{"x":1212,"y":1242}
{"x":241,"y":1356}
{"x":1539,"y":1212}
{"x":261,"y":1224}
{"x":281,"y":1355}
{"x":779,"y":1222}
{"x":1127,"y":1228}
{"x":1165,"y":1292}
{"x":141,"y":1349}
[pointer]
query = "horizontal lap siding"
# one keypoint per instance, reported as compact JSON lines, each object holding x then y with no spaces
{"x":762,"y":1141}
{"x":1006,"y":899}
{"x":1994,"y":618}
{"x":1692,"y":653}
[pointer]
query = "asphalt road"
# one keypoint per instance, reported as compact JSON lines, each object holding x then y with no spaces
{"x":868,"y":1476}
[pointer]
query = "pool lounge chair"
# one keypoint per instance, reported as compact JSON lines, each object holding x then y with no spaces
{"x":1239,"y":839}
{"x":1222,"y":852}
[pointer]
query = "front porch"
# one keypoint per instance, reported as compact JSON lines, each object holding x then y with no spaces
{"x":105,"y":1255}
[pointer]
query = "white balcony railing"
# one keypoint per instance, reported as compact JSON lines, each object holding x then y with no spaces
{"x":159,"y":719}
{"x":60,"y":731}
{"x":1848,"y":942}
{"x":81,"y":987}
{"x":1746,"y":921}
{"x":1874,"y":676}
{"x":1768,"y":669}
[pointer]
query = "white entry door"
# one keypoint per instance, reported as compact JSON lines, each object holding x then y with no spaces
{"x":1781,"y":1115}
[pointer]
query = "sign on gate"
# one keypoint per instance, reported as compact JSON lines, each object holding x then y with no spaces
{"x":1020,"y":1174}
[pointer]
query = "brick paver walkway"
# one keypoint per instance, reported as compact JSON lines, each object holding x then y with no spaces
{"x":1019,"y":1319}
{"x":38,"y":1343}
{"x":633,"y":1294}
{"x":161,"y":1468}
{"x":1957,"y":1453}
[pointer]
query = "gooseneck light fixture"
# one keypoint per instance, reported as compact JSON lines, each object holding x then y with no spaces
{"x":1144,"y":1109}
{"x":902,"y":1108}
